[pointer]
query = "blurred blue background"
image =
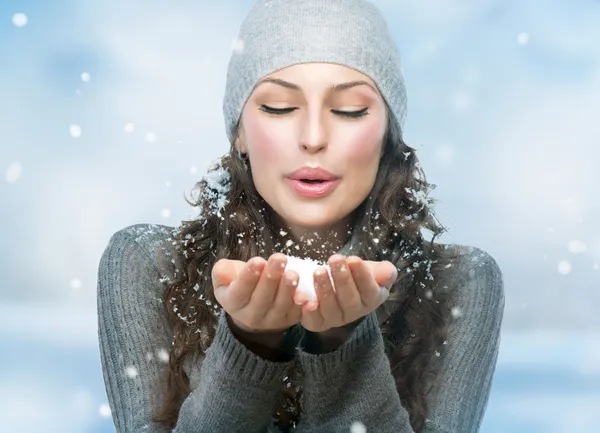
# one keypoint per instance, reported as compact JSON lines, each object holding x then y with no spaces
{"x":110,"y":112}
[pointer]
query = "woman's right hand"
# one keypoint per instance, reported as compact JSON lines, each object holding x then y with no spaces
{"x":258,"y":296}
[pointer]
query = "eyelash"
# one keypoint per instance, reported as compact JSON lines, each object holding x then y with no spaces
{"x":280,"y":111}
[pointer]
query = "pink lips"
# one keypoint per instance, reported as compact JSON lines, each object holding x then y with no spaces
{"x":306,"y":189}
{"x":312,"y":182}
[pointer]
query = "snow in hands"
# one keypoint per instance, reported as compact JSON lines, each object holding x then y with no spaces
{"x":305,"y":269}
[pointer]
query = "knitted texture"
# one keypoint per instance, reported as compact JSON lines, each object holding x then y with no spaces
{"x":280,"y":33}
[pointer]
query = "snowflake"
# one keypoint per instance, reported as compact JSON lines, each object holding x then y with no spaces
{"x":13,"y":172}
{"x":131,"y":371}
{"x":523,"y":38}
{"x":456,"y":312}
{"x":104,"y":411}
{"x":564,"y":267}
{"x":75,"y":131}
{"x":237,"y":45}
{"x":358,"y":427}
{"x":577,"y":247}
{"x":19,"y":20}
{"x":162,"y":355}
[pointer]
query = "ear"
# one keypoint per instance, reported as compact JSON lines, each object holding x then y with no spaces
{"x":239,"y":140}
{"x":240,"y":147}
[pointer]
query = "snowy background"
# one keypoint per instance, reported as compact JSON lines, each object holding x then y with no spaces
{"x":110,"y":111}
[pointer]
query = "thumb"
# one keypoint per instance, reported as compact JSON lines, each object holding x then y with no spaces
{"x":225,"y":271}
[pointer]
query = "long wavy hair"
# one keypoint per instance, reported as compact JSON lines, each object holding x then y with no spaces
{"x":235,"y":222}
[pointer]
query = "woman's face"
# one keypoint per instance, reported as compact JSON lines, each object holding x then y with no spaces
{"x":314,"y":115}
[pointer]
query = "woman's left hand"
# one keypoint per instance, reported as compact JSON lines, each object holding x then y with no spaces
{"x":359,"y":287}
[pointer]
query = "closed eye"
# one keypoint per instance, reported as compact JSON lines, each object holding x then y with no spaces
{"x":272,"y":110}
{"x":354,"y":114}
{"x":280,"y":111}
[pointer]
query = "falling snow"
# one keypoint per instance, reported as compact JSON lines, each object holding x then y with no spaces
{"x":85,"y":77}
{"x":104,"y":411}
{"x":358,"y":427}
{"x":237,"y":45}
{"x":165,"y":213}
{"x":131,"y":371}
{"x":13,"y":172}
{"x":19,"y":20}
{"x":162,"y":355}
{"x":129,"y":128}
{"x":577,"y":247}
{"x":75,"y":131}
{"x":523,"y":38}
{"x":456,"y":312}
{"x":151,"y":137}
{"x":564,"y":267}
{"x":217,"y":180}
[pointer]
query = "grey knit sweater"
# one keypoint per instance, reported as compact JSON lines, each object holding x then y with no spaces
{"x":234,"y":390}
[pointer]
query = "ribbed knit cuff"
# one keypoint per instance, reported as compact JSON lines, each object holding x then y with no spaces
{"x":365,"y":336}
{"x":239,"y":363}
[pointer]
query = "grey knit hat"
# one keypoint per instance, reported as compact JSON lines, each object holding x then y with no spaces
{"x":279,"y":33}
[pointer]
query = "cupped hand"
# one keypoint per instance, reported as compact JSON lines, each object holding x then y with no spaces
{"x":359,"y":287}
{"x":257,"y":295}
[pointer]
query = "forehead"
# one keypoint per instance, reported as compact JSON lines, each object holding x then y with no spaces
{"x":327,"y":73}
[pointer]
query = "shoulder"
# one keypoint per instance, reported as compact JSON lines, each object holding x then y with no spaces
{"x":149,"y":237}
{"x":474,"y":278}
{"x":132,"y":257}
{"x":145,"y":240}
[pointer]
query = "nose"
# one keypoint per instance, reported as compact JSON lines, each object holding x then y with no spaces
{"x":314,"y":132}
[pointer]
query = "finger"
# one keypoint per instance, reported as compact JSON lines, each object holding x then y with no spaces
{"x":312,"y":319}
{"x":329,"y":306}
{"x":284,"y":298}
{"x":348,"y":295}
{"x":369,"y":291}
{"x":264,"y":293}
{"x":224,"y":272}
{"x":239,"y":292}
{"x":385,"y":273}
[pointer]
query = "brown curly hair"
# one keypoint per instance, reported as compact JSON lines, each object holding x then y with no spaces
{"x":387,"y":226}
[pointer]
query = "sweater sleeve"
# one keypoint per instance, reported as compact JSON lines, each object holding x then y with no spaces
{"x":236,"y":390}
{"x":354,"y":384}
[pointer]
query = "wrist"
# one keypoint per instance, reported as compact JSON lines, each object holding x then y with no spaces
{"x":270,"y":345}
{"x":330,"y":340}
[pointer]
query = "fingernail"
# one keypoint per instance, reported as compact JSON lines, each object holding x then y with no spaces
{"x":312,"y":306}
{"x":384,"y":294}
{"x":299,"y":300}
{"x":392,"y":278}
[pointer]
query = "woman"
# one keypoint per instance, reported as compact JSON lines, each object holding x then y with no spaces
{"x":201,"y":327}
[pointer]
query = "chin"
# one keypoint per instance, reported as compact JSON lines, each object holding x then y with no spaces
{"x":311,"y":216}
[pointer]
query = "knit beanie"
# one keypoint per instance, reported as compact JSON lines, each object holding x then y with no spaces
{"x":280,"y":33}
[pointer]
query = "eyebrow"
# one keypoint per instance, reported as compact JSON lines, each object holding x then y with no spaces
{"x":335,"y":88}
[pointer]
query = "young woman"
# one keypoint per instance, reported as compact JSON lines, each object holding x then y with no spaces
{"x":202,"y":328}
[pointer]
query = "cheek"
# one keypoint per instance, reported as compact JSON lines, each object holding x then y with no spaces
{"x":265,"y":140}
{"x":363,"y":144}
